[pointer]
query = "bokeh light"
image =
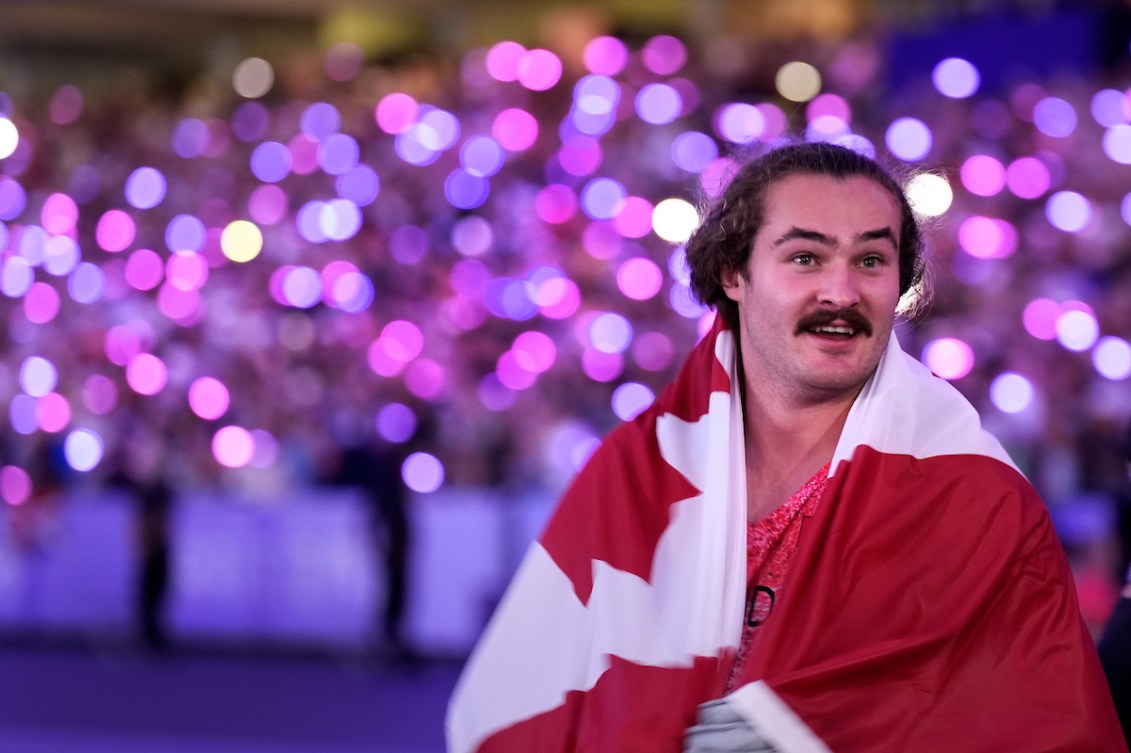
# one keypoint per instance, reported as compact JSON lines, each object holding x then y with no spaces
{"x":956,"y":78}
{"x":233,"y":446}
{"x":1068,"y":211}
{"x":9,"y":137}
{"x":987,"y":237}
{"x":1011,"y":392}
{"x":1112,"y":358}
{"x":605,"y":55}
{"x":241,"y":241}
{"x":83,"y":449}
{"x":983,"y":175}
{"x":658,"y":104}
{"x":1077,"y":329}
{"x":115,"y":231}
{"x":675,"y":220}
{"x":630,"y":399}
{"x":798,"y":81}
{"x":930,"y":195}
{"x":15,"y":485}
{"x":664,"y":54}
{"x":396,"y":112}
{"x":740,"y":123}
{"x":423,"y":472}
{"x":909,"y":139}
{"x":253,"y":78}
{"x":208,"y":398}
{"x":949,"y":357}
{"x":539,"y":70}
{"x":396,"y":422}
{"x":1055,"y":117}
{"x":514,"y":129}
{"x":1027,"y":177}
{"x":38,"y":376}
{"x":146,"y":374}
{"x":145,"y":188}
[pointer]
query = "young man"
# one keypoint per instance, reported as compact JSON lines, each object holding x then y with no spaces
{"x":807,"y":543}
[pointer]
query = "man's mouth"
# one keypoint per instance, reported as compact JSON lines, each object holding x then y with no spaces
{"x":834,"y":331}
{"x":844,"y":324}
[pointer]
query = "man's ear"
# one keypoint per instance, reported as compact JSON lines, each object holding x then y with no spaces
{"x":732,"y":280}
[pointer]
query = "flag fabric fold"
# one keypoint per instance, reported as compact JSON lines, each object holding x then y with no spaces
{"x":929,"y":606}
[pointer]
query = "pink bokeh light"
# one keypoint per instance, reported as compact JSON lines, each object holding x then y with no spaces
{"x":557,"y":298}
{"x":653,"y":351}
{"x":146,"y":374}
{"x":396,"y":113}
{"x":99,"y":394}
{"x":208,"y":398}
{"x":122,"y":343}
{"x":233,"y":446}
{"x":987,"y":237}
{"x":1027,"y":178}
{"x":426,"y":379}
{"x":1039,"y":318}
{"x":186,"y":270}
{"x":949,"y":357}
{"x":639,"y":279}
{"x":534,"y":351}
{"x":53,"y":412}
{"x":539,"y":70}
{"x":59,"y":214}
{"x":144,"y":269}
{"x":182,"y":306}
{"x":403,"y":340}
{"x":605,"y":55}
{"x":512,"y":375}
{"x":115,"y":231}
{"x":516,"y":130}
{"x":555,"y":204}
{"x":41,"y":304}
{"x":600,"y":366}
{"x":983,"y":175}
{"x":504,"y":59}
{"x":634,"y":217}
{"x":15,"y":485}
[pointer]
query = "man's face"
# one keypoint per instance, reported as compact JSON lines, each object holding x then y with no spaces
{"x":817,"y":305}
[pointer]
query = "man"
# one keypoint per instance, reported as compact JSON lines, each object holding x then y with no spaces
{"x":807,"y":543}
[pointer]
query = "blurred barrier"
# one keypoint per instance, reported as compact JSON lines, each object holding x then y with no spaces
{"x":304,"y":571}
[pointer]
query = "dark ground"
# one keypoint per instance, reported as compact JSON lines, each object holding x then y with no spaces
{"x":76,"y":698}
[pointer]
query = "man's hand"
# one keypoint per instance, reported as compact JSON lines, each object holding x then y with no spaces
{"x":720,"y":729}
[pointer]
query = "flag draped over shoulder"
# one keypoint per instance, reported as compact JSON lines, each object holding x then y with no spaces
{"x":929,"y":607}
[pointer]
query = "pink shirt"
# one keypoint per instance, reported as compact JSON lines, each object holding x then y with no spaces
{"x":770,"y":545}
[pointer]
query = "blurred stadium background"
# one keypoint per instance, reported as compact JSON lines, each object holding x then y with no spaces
{"x":309,"y":309}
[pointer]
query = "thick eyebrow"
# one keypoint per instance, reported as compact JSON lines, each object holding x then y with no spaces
{"x":807,"y":235}
{"x":872,"y":235}
{"x":825,"y":240}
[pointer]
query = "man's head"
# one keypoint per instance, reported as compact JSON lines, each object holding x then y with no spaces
{"x":724,"y":239}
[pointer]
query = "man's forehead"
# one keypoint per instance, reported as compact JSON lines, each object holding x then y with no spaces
{"x":863,"y":211}
{"x":792,"y":194}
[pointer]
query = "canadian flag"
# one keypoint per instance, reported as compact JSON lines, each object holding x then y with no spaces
{"x":929,"y":607}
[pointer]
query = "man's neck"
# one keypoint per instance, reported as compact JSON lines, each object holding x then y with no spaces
{"x":787,"y":442}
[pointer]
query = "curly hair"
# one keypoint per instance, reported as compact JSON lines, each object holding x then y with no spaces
{"x":724,"y":239}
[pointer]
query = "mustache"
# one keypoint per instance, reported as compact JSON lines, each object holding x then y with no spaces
{"x":823,"y":317}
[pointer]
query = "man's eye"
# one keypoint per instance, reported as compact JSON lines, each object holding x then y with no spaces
{"x":804,"y":259}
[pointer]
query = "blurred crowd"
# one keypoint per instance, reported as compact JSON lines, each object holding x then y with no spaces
{"x":472,"y":260}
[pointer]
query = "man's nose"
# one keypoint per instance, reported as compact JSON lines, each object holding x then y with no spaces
{"x":839,"y":287}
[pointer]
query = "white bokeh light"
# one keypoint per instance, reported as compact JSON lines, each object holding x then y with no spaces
{"x":1011,"y":392}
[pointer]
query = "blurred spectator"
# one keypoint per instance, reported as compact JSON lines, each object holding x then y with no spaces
{"x":1115,"y":643}
{"x":373,"y":467}
{"x":140,"y":473}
